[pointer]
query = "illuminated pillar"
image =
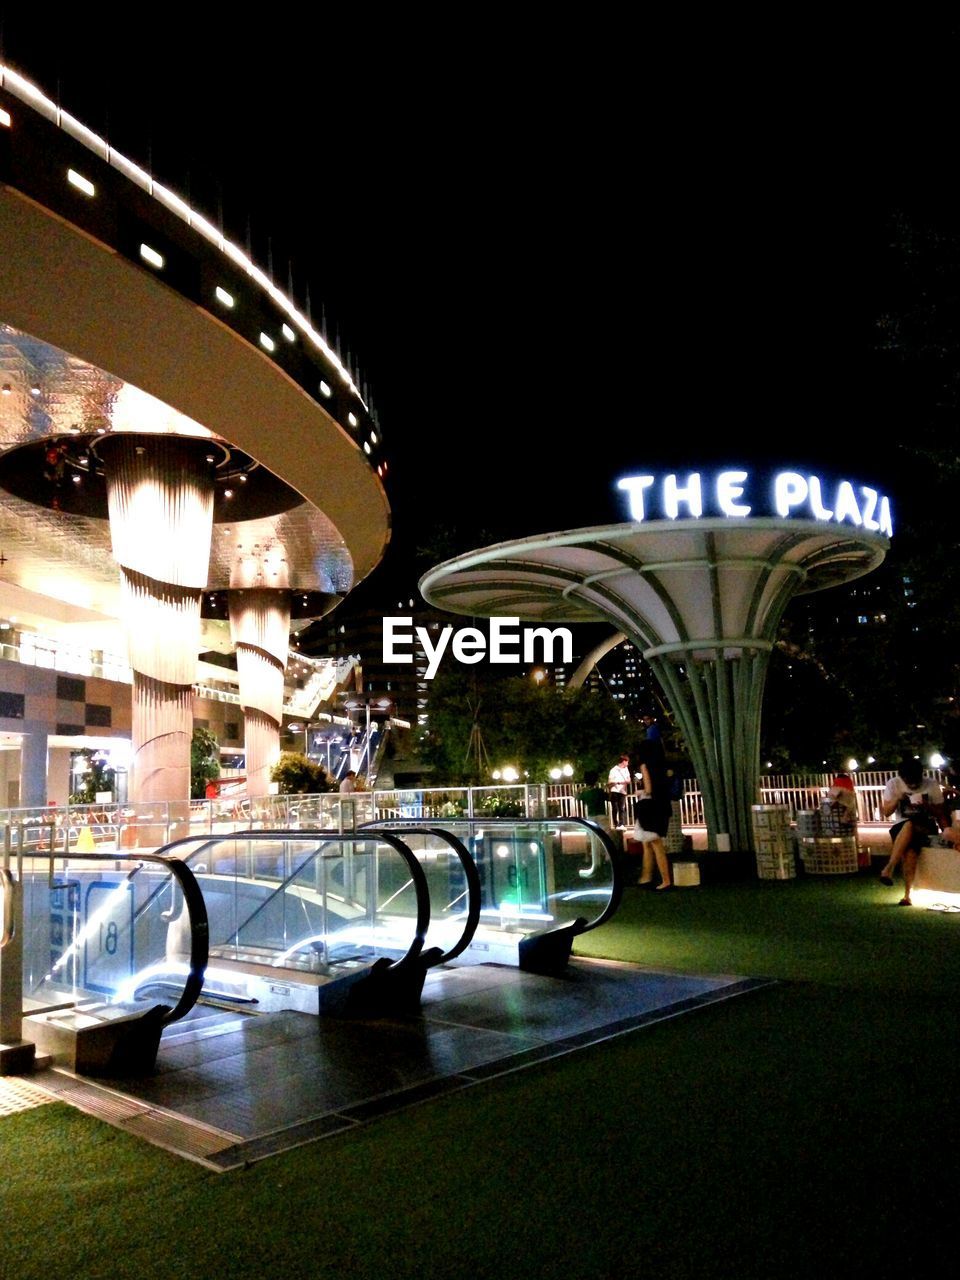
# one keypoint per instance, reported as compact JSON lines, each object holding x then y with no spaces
{"x":260,"y":629}
{"x":160,"y":498}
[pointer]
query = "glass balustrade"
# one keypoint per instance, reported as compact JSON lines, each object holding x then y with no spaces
{"x":535,"y":876}
{"x":317,"y":904}
{"x":109,"y":931}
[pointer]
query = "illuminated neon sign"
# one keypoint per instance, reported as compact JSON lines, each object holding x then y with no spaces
{"x":737,"y":495}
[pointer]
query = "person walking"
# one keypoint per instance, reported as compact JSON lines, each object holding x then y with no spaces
{"x":653,"y":813}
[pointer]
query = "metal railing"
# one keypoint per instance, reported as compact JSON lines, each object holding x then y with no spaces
{"x":55,"y":655}
{"x":119,"y":826}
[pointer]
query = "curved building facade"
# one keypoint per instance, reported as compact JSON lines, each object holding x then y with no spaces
{"x":182,"y":455}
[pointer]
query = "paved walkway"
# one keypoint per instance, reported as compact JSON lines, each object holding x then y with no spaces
{"x":230,"y":1088}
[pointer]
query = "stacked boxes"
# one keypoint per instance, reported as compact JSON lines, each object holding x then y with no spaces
{"x":807,"y":824}
{"x":674,"y":840}
{"x":828,"y":843}
{"x":772,"y":842}
{"x":829,"y":855}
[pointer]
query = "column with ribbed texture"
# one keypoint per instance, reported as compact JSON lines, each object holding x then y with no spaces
{"x":160,"y":495}
{"x":260,"y":628}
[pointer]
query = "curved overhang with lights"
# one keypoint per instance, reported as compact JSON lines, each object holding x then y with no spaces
{"x":121,"y":283}
{"x":701,"y":597}
{"x":179,"y":448}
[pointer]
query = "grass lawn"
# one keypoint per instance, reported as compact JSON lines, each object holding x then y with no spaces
{"x":804,"y":1129}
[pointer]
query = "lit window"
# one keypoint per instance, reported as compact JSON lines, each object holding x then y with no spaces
{"x":81,"y":183}
{"x":325,"y":389}
{"x":267,"y":342}
{"x":351,"y":418}
{"x":288,"y":333}
{"x":150,"y":255}
{"x":5,"y":118}
{"x":366,"y":447}
{"x":224,"y":297}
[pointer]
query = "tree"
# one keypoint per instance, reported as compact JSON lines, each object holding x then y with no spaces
{"x":535,"y":728}
{"x":204,"y":761}
{"x":96,"y":778}
{"x":296,"y":774}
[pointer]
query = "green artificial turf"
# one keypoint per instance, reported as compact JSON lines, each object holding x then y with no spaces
{"x":803,"y":1129}
{"x":844,"y":932}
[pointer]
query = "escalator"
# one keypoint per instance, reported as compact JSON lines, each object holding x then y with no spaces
{"x":315,"y":921}
{"x":94,"y":926}
{"x":543,"y":883}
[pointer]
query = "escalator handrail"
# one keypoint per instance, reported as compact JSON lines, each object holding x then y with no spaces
{"x":323,"y":837}
{"x":470,"y":873}
{"x":144,"y":906}
{"x":196,"y":913}
{"x":7,"y":922}
{"x":280,"y":884}
{"x":613,"y":853}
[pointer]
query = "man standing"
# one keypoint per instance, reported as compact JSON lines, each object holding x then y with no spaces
{"x":649,"y":722}
{"x":618,"y":784}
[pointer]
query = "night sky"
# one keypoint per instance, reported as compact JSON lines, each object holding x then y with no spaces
{"x":558,"y":256}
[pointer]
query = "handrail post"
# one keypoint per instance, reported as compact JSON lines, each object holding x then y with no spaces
{"x":16,"y":1055}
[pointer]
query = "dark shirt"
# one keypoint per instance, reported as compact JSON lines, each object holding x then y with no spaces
{"x":651,"y":753}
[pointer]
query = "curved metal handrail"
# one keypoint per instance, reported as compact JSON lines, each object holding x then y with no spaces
{"x":7,"y":924}
{"x":616,"y":888}
{"x":470,"y":873}
{"x":417,"y":876}
{"x":196,"y":914}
